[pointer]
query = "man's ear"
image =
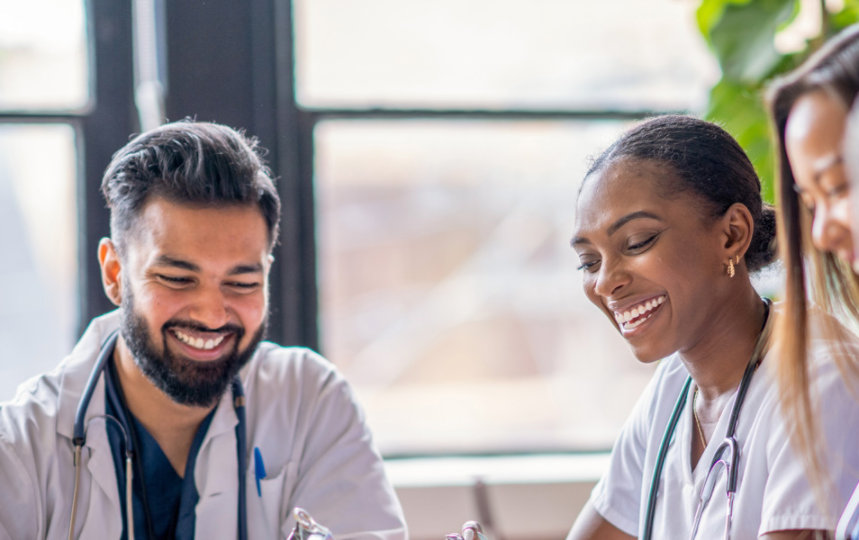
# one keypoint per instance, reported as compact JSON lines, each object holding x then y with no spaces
{"x":738,"y":227}
{"x":111,"y":270}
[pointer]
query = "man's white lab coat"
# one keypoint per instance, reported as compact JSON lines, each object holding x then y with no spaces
{"x":301,"y":414}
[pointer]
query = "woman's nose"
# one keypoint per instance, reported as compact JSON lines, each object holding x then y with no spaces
{"x":612,"y":276}
{"x":828,"y":229}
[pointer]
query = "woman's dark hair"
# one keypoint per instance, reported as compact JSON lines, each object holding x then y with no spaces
{"x":188,"y":162}
{"x":833,"y":69}
{"x":706,"y":161}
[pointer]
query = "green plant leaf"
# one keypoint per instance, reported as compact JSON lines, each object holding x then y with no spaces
{"x":849,"y":14}
{"x":709,"y":12}
{"x":741,"y":33}
{"x":743,"y":38}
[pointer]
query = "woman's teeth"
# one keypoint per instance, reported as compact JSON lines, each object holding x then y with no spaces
{"x":641,"y":313}
{"x":198,"y":343}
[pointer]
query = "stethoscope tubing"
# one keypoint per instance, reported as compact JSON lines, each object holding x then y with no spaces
{"x":79,"y":439}
{"x":660,"y":459}
{"x":79,"y":429}
{"x":730,"y":442}
{"x":242,"y":455}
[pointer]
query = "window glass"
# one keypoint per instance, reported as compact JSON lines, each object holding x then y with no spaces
{"x":623,"y":54}
{"x":43,"y":55}
{"x":38,"y":269}
{"x":448,"y":290}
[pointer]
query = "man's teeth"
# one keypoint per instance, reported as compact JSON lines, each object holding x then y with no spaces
{"x":198,"y":343}
{"x":637,"y":311}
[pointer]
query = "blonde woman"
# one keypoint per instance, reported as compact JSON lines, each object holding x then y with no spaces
{"x":809,"y":109}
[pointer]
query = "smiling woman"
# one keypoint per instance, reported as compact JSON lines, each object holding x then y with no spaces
{"x":669,"y":226}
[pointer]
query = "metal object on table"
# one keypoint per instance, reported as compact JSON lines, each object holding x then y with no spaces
{"x":306,"y":527}
{"x":471,"y":530}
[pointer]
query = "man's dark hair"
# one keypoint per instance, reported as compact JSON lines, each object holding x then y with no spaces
{"x":188,"y":162}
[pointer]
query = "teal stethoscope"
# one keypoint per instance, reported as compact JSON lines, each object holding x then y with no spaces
{"x":727,"y":454}
{"x":79,"y":439}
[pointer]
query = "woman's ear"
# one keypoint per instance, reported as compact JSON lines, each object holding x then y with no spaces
{"x":738,"y":229}
{"x":111,"y":270}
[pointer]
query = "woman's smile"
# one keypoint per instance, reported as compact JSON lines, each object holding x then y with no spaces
{"x":631,"y":318}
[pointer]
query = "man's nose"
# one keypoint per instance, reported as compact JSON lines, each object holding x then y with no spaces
{"x":210,"y":308}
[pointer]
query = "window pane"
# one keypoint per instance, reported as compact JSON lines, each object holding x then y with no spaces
{"x":624,"y":54}
{"x":38,"y":270}
{"x":449,"y":293}
{"x":43,"y":55}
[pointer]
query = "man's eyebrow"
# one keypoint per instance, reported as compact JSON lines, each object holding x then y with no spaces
{"x":246,"y":269}
{"x":167,"y":260}
{"x":641,"y":214}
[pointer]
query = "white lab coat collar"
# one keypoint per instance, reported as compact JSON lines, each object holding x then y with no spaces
{"x":220,"y":490}
{"x":96,"y":453}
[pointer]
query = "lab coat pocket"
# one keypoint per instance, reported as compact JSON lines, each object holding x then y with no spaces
{"x":265,"y":507}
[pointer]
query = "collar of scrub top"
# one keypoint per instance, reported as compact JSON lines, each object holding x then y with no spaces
{"x":729,"y":445}
{"x":161,"y":510}
{"x":79,"y":438}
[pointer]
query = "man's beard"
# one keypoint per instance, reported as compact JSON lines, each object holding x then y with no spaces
{"x":185,"y":381}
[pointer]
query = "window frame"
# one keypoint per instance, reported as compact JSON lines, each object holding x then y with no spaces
{"x":100,"y":125}
{"x":286,"y":128}
{"x":253,"y":88}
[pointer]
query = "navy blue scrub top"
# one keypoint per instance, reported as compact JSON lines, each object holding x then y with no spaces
{"x":171,"y":500}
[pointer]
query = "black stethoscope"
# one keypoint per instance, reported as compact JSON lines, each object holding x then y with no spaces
{"x":79,"y":439}
{"x":727,"y":454}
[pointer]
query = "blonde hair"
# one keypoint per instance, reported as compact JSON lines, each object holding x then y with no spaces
{"x":813,"y":278}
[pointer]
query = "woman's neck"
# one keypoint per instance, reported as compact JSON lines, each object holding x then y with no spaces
{"x":717,"y":362}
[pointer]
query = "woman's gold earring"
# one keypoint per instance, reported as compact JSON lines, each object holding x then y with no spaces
{"x":731,"y":270}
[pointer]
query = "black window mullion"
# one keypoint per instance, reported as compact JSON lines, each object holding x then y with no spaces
{"x":106,"y":128}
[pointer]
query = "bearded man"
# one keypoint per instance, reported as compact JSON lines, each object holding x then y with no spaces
{"x":171,"y":418}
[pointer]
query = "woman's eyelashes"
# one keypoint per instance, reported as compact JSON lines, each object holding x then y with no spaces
{"x":635,"y":245}
{"x":838,"y":190}
{"x":587,"y":264}
{"x":832,"y":193}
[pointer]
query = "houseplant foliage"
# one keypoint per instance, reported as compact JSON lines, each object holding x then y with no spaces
{"x":742,"y":35}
